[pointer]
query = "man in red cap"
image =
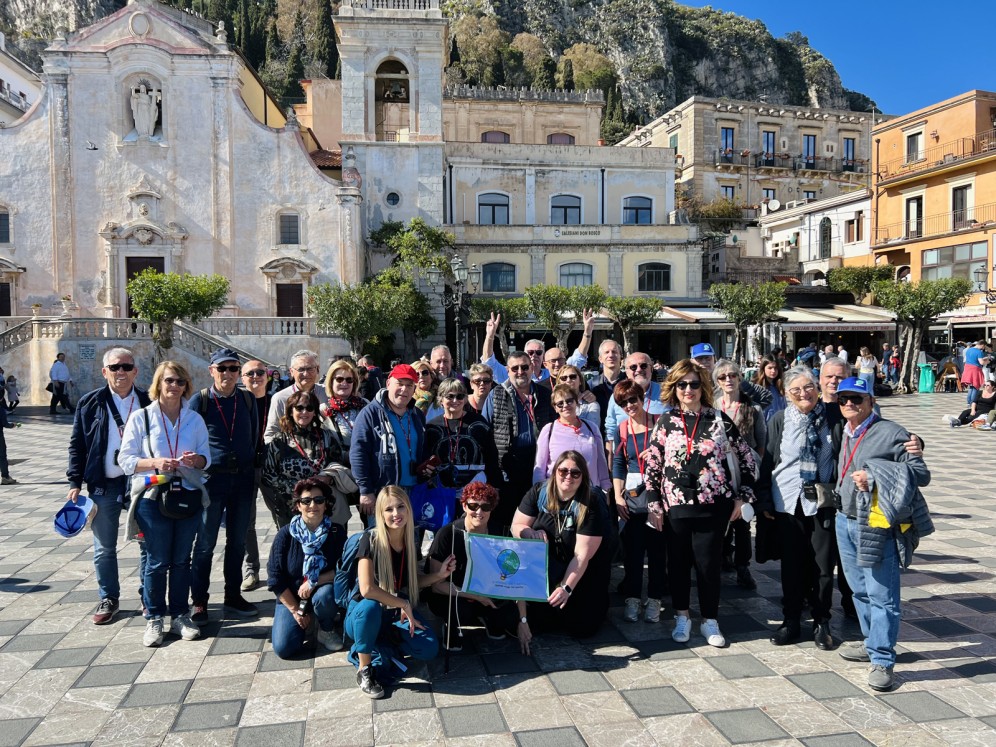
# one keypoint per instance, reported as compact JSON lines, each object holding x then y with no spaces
{"x":387,"y":439}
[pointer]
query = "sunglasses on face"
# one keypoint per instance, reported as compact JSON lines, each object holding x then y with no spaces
{"x":632,"y":401}
{"x":724,"y":377}
{"x":117,"y":367}
{"x":342,"y":379}
{"x":455,"y":397}
{"x":481,"y":382}
{"x":565,"y":472}
{"x":424,"y":373}
{"x":228,"y":369}
{"x":170,"y":381}
{"x":639,"y":367}
{"x":519,"y":369}
{"x":569,"y":377}
{"x":318,"y":500}
{"x":304,"y":408}
{"x":533,"y":353}
{"x":565,"y":403}
{"x":255,"y":373}
{"x":472,"y":507}
{"x":850,"y":399}
{"x":689,"y":385}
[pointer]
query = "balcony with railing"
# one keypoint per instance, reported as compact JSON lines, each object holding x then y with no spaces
{"x":969,"y":219}
{"x":938,"y":156}
{"x":765,"y":160}
{"x":398,"y":8}
{"x":15,"y":99}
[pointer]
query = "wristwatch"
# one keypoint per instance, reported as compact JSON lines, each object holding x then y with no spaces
{"x":567,"y":588}
{"x":524,"y":620}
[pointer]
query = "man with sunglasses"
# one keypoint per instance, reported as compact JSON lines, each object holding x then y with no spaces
{"x":254,"y":381}
{"x":704,"y":355}
{"x":100,"y":419}
{"x":639,"y":369}
{"x":304,"y":372}
{"x":544,"y":363}
{"x":233,"y":433}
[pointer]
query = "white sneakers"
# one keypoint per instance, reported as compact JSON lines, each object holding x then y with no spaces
{"x":153,"y":632}
{"x":185,"y":628}
{"x":632,"y":610}
{"x":682,"y":629}
{"x":331,"y":640}
{"x":710,"y":631}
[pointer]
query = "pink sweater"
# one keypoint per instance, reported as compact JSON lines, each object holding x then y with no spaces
{"x":556,"y":438}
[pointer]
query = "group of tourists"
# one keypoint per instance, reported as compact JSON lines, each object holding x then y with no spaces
{"x":667,"y":475}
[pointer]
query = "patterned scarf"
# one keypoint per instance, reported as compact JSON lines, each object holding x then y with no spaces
{"x":311,"y":543}
{"x":816,"y":454}
{"x":337,"y":405}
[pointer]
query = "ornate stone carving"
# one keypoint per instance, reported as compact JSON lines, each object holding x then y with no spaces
{"x":350,"y":174}
{"x":144,"y":236}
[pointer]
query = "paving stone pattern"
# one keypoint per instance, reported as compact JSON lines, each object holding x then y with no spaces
{"x":65,"y":681}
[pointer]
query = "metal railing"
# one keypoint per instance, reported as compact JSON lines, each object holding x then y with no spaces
{"x":752,"y":277}
{"x":787,"y":161}
{"x":937,"y":225}
{"x":938,"y":155}
{"x":393,"y":4}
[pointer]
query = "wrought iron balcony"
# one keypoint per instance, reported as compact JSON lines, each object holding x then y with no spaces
{"x":939,"y":224}
{"x":981,"y":143}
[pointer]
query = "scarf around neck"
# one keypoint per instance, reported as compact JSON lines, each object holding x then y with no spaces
{"x":816,"y":453}
{"x":311,"y":543}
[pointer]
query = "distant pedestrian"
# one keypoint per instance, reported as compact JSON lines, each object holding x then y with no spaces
{"x":60,"y":381}
{"x":5,"y":478}
{"x":13,"y":396}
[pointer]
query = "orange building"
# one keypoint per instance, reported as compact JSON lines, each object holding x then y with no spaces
{"x":934,"y":195}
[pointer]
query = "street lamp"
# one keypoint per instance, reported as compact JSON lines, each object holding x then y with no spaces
{"x":980,"y":280}
{"x":452,"y":294}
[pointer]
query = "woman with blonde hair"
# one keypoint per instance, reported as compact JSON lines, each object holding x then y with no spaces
{"x":425,"y":390}
{"x":482,"y":379}
{"x":867,"y":365}
{"x":342,"y":385}
{"x":588,"y":409}
{"x":389,"y":580}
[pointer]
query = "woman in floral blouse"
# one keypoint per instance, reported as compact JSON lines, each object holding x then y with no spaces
{"x":689,"y":476}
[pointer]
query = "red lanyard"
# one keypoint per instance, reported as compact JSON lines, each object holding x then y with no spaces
{"x":221,"y":413}
{"x":849,"y":459}
{"x":690,"y":439}
{"x":527,"y":403}
{"x":454,"y":439}
{"x":316,"y":465}
{"x":131,"y":404}
{"x":175,"y":446}
{"x":576,"y":429}
{"x":646,"y":440}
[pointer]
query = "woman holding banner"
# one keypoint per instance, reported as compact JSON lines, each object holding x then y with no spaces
{"x":478,"y":500}
{"x":570,"y":515}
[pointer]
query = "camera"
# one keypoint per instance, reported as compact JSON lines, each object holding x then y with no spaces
{"x":303,"y":606}
{"x":809,"y":491}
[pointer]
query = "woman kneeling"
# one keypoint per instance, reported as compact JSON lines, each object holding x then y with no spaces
{"x":301,"y":570}
{"x":381,"y":617}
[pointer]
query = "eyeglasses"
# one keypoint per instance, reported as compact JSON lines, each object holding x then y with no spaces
{"x":639,"y":367}
{"x":342,"y":379}
{"x":482,"y":382}
{"x":561,"y":359}
{"x":565,"y":403}
{"x":565,"y":472}
{"x":519,"y":369}
{"x":533,"y":353}
{"x":485,"y":507}
{"x":255,"y":373}
{"x":632,"y":401}
{"x":850,"y":399}
{"x":306,"y":369}
{"x":228,"y":369}
{"x":304,"y":408}
{"x":724,"y":377}
{"x":117,"y":367}
{"x":569,"y":377}
{"x":170,"y":381}
{"x":689,"y":385}
{"x":455,"y":397}
{"x":808,"y":388}
{"x":318,"y":500}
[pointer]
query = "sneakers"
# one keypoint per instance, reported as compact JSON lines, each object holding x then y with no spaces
{"x":237,"y":605}
{"x":744,"y":579}
{"x":950,"y":420}
{"x":185,"y":628}
{"x":632,"y":612}
{"x":199,"y":612}
{"x":251,"y":581}
{"x":153,"y":632}
{"x":710,"y":631}
{"x":853,"y":651}
{"x":653,"y":612}
{"x":368,"y":683}
{"x":881,"y":678}
{"x":8,"y":480}
{"x":330,"y":639}
{"x":106,"y":611}
{"x":682,"y":629}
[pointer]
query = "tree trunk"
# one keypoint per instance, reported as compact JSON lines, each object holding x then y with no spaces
{"x":502,"y":337}
{"x":563,"y":335}
{"x":909,"y":377}
{"x":739,"y":340}
{"x":628,"y":334}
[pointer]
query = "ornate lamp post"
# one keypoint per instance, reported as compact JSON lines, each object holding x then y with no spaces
{"x":452,"y":295}
{"x":980,"y":280}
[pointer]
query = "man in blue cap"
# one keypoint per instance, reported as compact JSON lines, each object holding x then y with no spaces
{"x":233,"y":427}
{"x":704,"y":355}
{"x":875,"y":465}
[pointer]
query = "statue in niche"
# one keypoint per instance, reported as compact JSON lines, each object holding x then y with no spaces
{"x":145,"y":109}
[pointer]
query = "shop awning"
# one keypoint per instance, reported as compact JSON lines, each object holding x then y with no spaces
{"x":837,"y":318}
{"x":694,"y":317}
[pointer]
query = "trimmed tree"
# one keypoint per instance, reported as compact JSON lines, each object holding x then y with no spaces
{"x":561,"y":310}
{"x":164,"y":298}
{"x":858,"y":281}
{"x":629,"y":314}
{"x":359,"y":313}
{"x":412,"y":312}
{"x":917,"y":306}
{"x":511,"y":310}
{"x":744,"y":305}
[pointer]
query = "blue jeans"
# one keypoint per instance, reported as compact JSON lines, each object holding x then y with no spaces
{"x":869,"y":379}
{"x":106,"y":525}
{"x":168,"y":543}
{"x":876,"y":593}
{"x":232,"y":495}
{"x":288,"y":638}
{"x":379,"y":632}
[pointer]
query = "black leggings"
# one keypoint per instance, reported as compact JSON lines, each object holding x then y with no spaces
{"x":696,"y":541}
{"x":585,"y":611}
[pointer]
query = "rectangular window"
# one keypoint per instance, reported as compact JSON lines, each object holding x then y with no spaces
{"x":859,"y":225}
{"x":913,"y":147}
{"x":565,"y":210}
{"x":768,"y":194}
{"x":726,"y":136}
{"x":492,"y":209}
{"x":914,"y":217}
{"x":728,"y":192}
{"x":850,"y":232}
{"x":960,"y":210}
{"x":673,"y":141}
{"x":850,"y":153}
{"x":637,"y":210}
{"x":4,"y":227}
{"x":767,"y":148}
{"x":959,"y":261}
{"x":574,"y":274}
{"x":290,"y":229}
{"x":809,"y":150}
{"x":499,"y":277}
{"x":654,"y":277}
{"x":809,"y":194}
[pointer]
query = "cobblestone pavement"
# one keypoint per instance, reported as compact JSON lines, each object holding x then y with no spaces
{"x":64,"y":680}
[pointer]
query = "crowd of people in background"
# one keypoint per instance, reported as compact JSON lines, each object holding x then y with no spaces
{"x":661,"y":469}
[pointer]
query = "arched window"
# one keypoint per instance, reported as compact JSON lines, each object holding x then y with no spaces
{"x":495,"y":136}
{"x":565,"y":210}
{"x":4,"y":226}
{"x":492,"y":209}
{"x":559,"y":138}
{"x":826,"y":231}
{"x":289,"y":229}
{"x":637,"y":210}
{"x":654,"y":277}
{"x":499,"y":277}
{"x":574,"y":274}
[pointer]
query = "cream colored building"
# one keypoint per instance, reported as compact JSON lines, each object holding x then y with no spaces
{"x":19,"y":86}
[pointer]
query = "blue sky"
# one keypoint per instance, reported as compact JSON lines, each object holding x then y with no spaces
{"x":931,"y":51}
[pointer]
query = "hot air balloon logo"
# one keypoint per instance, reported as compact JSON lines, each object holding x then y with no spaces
{"x":508,"y":563}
